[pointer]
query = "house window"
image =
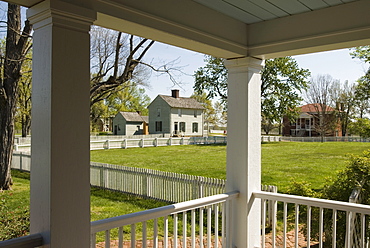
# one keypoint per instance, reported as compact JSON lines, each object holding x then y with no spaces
{"x":182,"y":127}
{"x":195,"y":113}
{"x":158,"y":126}
{"x":195,"y":127}
{"x":158,"y":112}
{"x":179,"y":112}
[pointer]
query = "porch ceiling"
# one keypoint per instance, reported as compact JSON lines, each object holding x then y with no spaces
{"x":238,"y":28}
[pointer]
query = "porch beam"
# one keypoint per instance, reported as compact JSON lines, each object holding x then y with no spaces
{"x":243,"y":169}
{"x":60,"y":171}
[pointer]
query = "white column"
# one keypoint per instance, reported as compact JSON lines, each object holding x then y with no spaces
{"x":244,"y":148}
{"x":60,"y":175}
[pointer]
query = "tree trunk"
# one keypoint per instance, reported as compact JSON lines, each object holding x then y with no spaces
{"x":16,"y":44}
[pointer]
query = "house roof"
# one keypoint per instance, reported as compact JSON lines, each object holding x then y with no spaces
{"x":315,"y":107}
{"x":132,"y":116}
{"x":182,"y":102}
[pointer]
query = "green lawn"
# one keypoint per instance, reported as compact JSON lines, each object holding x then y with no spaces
{"x":281,"y":162}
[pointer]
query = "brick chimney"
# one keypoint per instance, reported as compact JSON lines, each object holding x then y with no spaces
{"x":175,"y":93}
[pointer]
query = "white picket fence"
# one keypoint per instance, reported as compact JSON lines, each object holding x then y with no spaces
{"x":153,"y":184}
{"x":142,"y":142}
{"x":159,"y":185}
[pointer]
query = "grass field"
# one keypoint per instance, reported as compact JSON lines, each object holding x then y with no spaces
{"x":281,"y":162}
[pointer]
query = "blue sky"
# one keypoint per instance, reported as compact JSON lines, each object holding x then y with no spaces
{"x":338,"y":64}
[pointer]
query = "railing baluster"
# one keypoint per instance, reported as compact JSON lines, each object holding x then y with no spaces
{"x":209,"y":226}
{"x":201,"y":228}
{"x":223,"y":225}
{"x":184,"y":229}
{"x":285,"y":223}
{"x":193,"y":237}
{"x":107,"y":239}
{"x":272,"y":208}
{"x":175,"y":230}
{"x":144,"y":245}
{"x":263,"y":205}
{"x":133,"y":235}
{"x":155,"y":233}
{"x":296,"y":226}
{"x":165,"y":241}
{"x":334,"y":238}
{"x":308,"y":226}
{"x":363,"y":230}
{"x":216,"y":226}
{"x":120,"y":237}
{"x":348,"y":228}
{"x":321,"y":226}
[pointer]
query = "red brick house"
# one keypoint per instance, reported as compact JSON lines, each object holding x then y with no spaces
{"x":308,"y":123}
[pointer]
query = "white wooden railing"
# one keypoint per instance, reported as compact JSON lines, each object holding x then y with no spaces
{"x":315,"y":215}
{"x":212,"y":233}
{"x":29,"y":241}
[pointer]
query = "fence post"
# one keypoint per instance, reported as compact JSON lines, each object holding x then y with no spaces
{"x":16,"y":147}
{"x":142,"y":143}
{"x":155,"y":142}
{"x":107,"y":144}
{"x":170,"y":141}
{"x":182,"y":141}
{"x":125,"y":143}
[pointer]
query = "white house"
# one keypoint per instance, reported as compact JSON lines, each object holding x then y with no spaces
{"x":178,"y":116}
{"x":129,"y":123}
{"x":243,"y":32}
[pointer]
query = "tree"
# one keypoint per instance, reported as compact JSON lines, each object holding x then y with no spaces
{"x":130,"y":98}
{"x":319,"y":95}
{"x":209,"y":114}
{"x":360,"y":126}
{"x":23,"y":114}
{"x":117,"y":63}
{"x":282,"y":83}
{"x":212,"y":79}
{"x":362,"y":93}
{"x":343,"y":97}
{"x":17,"y":46}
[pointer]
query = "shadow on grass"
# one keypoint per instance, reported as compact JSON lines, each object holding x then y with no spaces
{"x":20,"y":174}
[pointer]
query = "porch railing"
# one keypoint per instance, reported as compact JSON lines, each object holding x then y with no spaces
{"x":314,"y":221}
{"x":208,"y":224}
{"x":30,"y":241}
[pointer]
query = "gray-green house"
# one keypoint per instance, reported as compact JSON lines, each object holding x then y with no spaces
{"x":178,"y":116}
{"x":129,"y":123}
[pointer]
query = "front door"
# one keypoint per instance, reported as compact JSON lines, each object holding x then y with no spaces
{"x":176,"y":128}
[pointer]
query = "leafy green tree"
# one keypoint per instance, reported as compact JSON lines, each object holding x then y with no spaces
{"x":210,"y":118}
{"x":361,"y":127}
{"x":128,"y":97}
{"x":212,"y":78}
{"x":362,"y":93}
{"x":282,"y":83}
